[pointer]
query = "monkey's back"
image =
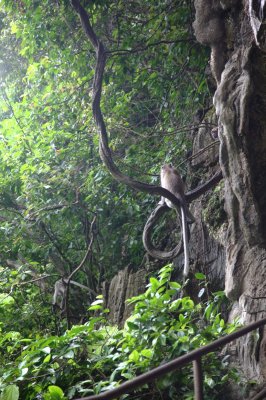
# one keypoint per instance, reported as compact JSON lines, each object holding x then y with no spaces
{"x":172,"y":181}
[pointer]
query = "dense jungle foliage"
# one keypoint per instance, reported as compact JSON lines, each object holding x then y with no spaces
{"x":53,"y":185}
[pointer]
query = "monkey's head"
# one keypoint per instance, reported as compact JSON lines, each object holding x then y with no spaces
{"x":166,"y":168}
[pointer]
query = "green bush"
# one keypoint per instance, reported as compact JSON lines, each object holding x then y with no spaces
{"x":95,"y":356}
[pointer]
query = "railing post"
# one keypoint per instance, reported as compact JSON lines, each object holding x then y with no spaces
{"x":198,"y":379}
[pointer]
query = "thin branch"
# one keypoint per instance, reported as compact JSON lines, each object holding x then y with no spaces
{"x":12,"y":211}
{"x":34,"y":280}
{"x":87,"y":252}
{"x":195,"y":155}
{"x":18,"y":284}
{"x":140,"y":48}
{"x":68,"y":279}
{"x":51,"y":208}
{"x":53,"y":241}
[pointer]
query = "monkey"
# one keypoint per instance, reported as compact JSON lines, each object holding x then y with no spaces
{"x":60,"y":291}
{"x":172,"y":181}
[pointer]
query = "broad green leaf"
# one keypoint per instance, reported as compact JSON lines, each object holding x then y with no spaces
{"x":54,"y":393}
{"x":10,"y":392}
{"x":174,"y":285}
{"x":200,"y":276}
{"x":134,"y":356}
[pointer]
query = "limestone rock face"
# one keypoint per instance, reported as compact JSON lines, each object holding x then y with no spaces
{"x":124,"y":285}
{"x":240,"y":107}
{"x":228,"y":239}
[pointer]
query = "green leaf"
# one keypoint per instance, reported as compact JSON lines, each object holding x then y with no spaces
{"x":6,"y":300}
{"x":47,"y":350}
{"x":175,"y":304}
{"x":147,"y":353}
{"x":54,"y":393}
{"x":132,"y":326}
{"x":208,"y":311}
{"x":97,"y":302}
{"x":47,"y":358}
{"x":200,"y":276}
{"x":154,"y":283}
{"x":134,"y":356}
{"x":69,"y":354}
{"x":174,"y":285}
{"x":24,"y":371}
{"x":91,"y":308}
{"x":10,"y":392}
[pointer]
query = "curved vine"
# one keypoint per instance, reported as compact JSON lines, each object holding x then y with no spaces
{"x":104,"y":150}
{"x":147,"y":236}
{"x":161,"y":209}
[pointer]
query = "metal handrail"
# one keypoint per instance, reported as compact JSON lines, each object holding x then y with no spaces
{"x":193,"y":356}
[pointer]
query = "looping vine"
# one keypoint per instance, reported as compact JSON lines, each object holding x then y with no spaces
{"x":147,"y":236}
{"x":161,"y":209}
{"x":104,"y":150}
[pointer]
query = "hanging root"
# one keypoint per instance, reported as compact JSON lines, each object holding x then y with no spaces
{"x":185,"y":242}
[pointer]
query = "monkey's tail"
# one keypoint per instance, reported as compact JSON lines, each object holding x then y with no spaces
{"x":185,"y":241}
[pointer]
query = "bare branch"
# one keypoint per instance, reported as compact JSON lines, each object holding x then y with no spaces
{"x":140,"y":48}
{"x":51,"y":208}
{"x":68,"y":279}
{"x":87,"y":252}
{"x":54,"y":241}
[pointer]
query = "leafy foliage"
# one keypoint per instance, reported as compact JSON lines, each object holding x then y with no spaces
{"x":52,"y":184}
{"x":93,"y":357}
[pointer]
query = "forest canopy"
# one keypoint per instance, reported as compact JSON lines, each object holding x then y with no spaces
{"x":52,"y":180}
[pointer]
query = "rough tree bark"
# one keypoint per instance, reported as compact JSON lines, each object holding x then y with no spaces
{"x":240,"y":101}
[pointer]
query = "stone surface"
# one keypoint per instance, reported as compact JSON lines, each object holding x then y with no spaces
{"x":124,"y":285}
{"x":240,"y":106}
{"x":230,"y":249}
